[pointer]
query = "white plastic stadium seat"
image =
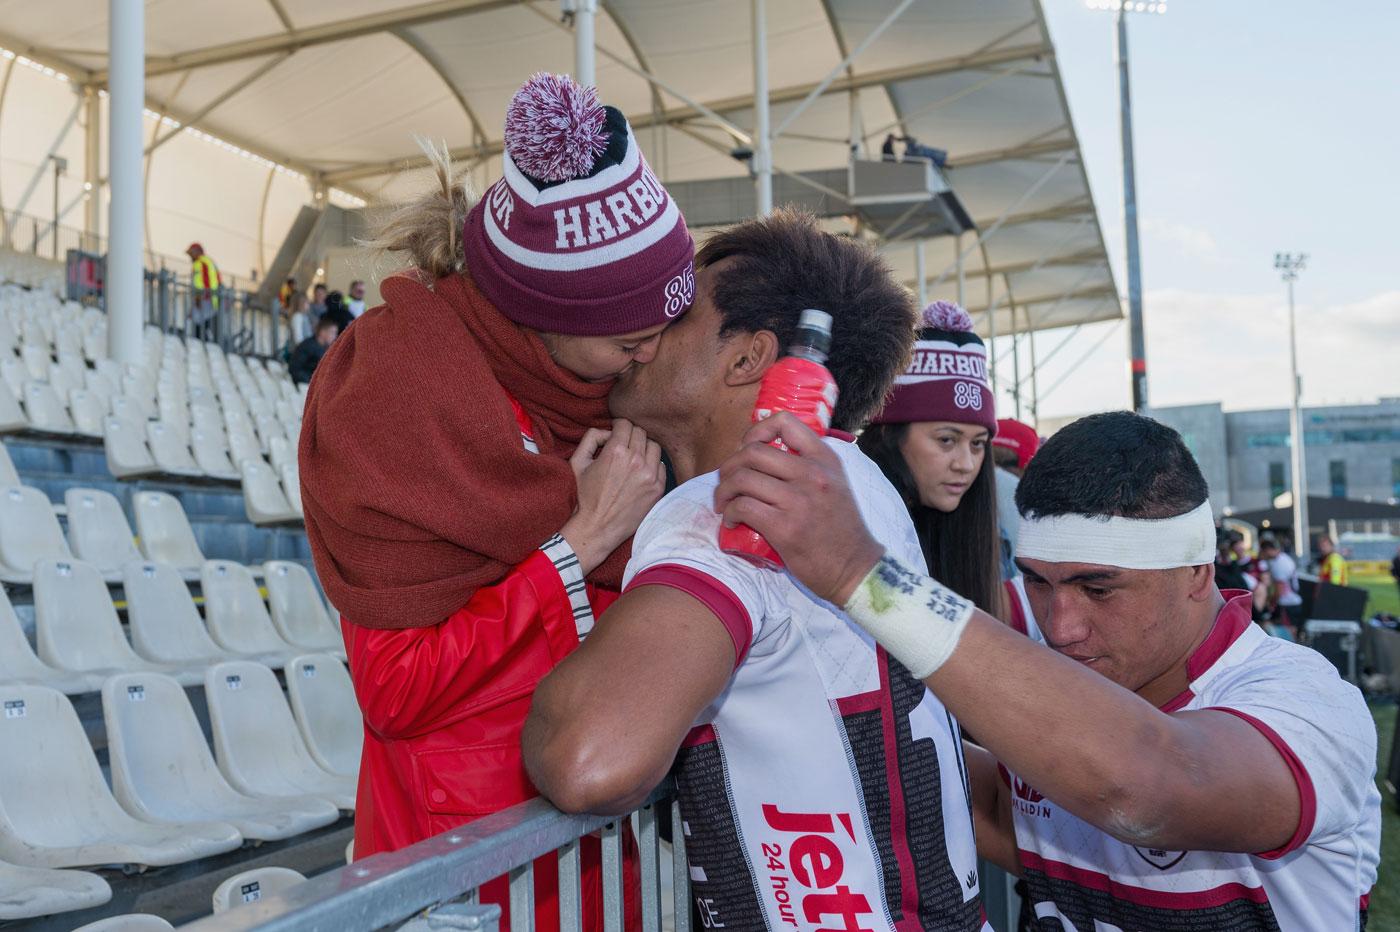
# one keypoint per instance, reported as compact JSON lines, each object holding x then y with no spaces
{"x":126,"y":450}
{"x":251,"y":886}
{"x":281,"y":452}
{"x":162,"y":770}
{"x":165,"y":532}
{"x":18,"y":663}
{"x":46,"y":411}
{"x":291,"y":486}
{"x":237,"y":616}
{"x":77,"y":626}
{"x":98,"y":531}
{"x":14,"y":374}
{"x":28,"y":892}
{"x":297,"y":609}
{"x":210,"y":455}
{"x":8,"y":475}
{"x":165,"y":626}
{"x":88,"y":410}
{"x":262,"y":496}
{"x":171,"y":449}
{"x":324,"y":705}
{"x":131,"y":922}
{"x":55,"y":808}
{"x":259,"y":748}
{"x":132,"y":409}
{"x":12,"y":417}
{"x":29,"y":532}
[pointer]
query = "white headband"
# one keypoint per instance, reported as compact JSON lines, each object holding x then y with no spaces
{"x":1130,"y":543}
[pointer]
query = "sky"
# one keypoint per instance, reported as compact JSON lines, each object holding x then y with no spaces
{"x":1259,"y":127}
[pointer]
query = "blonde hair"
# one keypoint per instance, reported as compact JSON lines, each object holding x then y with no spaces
{"x":429,"y":227}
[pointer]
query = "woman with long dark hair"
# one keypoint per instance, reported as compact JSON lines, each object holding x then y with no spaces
{"x":931,"y":441}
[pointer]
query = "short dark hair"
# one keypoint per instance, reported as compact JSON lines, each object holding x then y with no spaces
{"x":785,"y":263}
{"x":323,"y":323}
{"x":319,"y":285}
{"x":1119,"y":463}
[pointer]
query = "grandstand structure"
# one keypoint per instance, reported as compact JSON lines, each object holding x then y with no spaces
{"x":180,"y":737}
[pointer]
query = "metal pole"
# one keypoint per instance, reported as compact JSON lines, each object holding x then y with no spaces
{"x":762,"y":139}
{"x":56,"y":169}
{"x":991,"y":336}
{"x":1300,"y":465}
{"x":584,"y":46}
{"x":919,"y":272}
{"x":1015,"y":359}
{"x":1136,"y":338}
{"x":92,"y":169}
{"x":127,"y":39}
{"x":962,"y":279}
{"x":1035,"y":388}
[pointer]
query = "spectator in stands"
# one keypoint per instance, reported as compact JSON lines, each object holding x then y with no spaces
{"x":468,"y":497}
{"x":1167,"y":766}
{"x":913,"y":149}
{"x":307,"y":355}
{"x":1332,"y":568}
{"x":204,"y":293}
{"x":1283,"y":600}
{"x":887,"y":152}
{"x":356,"y":302}
{"x":337,"y":311}
{"x":931,"y":443}
{"x":1230,"y":571}
{"x":284,"y":294}
{"x":318,"y":300}
{"x":299,"y":319}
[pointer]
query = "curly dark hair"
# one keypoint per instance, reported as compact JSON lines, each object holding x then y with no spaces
{"x":785,"y":263}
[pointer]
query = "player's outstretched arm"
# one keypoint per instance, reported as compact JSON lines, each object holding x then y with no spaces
{"x":605,"y":724}
{"x":1200,"y":780}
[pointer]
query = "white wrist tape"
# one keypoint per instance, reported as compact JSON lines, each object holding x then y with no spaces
{"x":917,"y":619}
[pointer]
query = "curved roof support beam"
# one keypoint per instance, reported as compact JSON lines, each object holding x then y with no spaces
{"x":262,"y":223}
{"x":236,"y":88}
{"x":282,"y":15}
{"x":431,"y":59}
{"x":4,"y":89}
{"x":297,"y":39}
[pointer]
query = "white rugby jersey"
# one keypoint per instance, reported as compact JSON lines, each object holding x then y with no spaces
{"x":1080,"y":878}
{"x":825,"y":788}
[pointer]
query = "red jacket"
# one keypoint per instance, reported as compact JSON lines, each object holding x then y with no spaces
{"x":444,"y":706}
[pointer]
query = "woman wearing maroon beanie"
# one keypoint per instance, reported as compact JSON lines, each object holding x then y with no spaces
{"x":469,"y":502}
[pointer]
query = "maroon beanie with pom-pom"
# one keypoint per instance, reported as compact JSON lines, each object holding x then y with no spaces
{"x":577,"y":236}
{"x":947,"y":380}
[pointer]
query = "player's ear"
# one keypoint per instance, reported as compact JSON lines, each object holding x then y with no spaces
{"x":1201,"y":585}
{"x":750,"y":355}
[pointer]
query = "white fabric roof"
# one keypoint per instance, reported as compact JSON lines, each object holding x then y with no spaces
{"x":336,"y":89}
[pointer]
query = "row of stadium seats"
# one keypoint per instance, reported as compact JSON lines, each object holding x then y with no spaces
{"x":81,"y":642}
{"x":274,"y":772}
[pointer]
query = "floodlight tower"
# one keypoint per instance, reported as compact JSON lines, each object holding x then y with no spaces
{"x":1136,"y":337}
{"x":1289,"y":264}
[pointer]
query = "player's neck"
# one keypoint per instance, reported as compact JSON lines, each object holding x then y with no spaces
{"x":1176,"y":680}
{"x":705,"y":444}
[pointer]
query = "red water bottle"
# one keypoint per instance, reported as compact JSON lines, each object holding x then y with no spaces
{"x":800,"y":384}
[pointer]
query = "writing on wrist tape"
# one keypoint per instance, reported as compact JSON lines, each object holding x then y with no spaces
{"x":917,"y":619}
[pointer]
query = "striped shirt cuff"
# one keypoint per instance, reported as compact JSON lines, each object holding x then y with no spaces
{"x":571,"y":573}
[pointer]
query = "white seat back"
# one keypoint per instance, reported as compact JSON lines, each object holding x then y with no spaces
{"x":297,"y":609}
{"x":98,"y":531}
{"x":165,"y":626}
{"x":46,"y":411}
{"x":210,"y":454}
{"x":125,"y":448}
{"x":170,"y":448}
{"x":262,"y":494}
{"x":324,"y":705}
{"x":29,"y":532}
{"x":132,"y":409}
{"x":166,"y":535}
{"x":235,"y":611}
{"x":291,"y":486}
{"x":88,"y":411}
{"x":75,"y":623}
{"x":17,"y":659}
{"x":258,"y":746}
{"x":280,"y":452}
{"x":12,"y":416}
{"x":8,"y":474}
{"x":251,"y":886}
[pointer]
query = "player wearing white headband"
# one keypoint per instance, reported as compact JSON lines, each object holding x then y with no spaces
{"x":1168,"y":766}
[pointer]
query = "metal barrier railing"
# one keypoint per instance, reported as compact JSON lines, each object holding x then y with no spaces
{"x":388,"y":889}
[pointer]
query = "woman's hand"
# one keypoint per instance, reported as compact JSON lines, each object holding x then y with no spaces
{"x":620,"y":477}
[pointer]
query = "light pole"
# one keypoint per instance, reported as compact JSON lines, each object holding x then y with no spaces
{"x":1289,"y":264}
{"x":1136,"y":337}
{"x":60,"y":167}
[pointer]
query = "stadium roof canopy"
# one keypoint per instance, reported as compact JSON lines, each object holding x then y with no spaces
{"x":336,"y":89}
